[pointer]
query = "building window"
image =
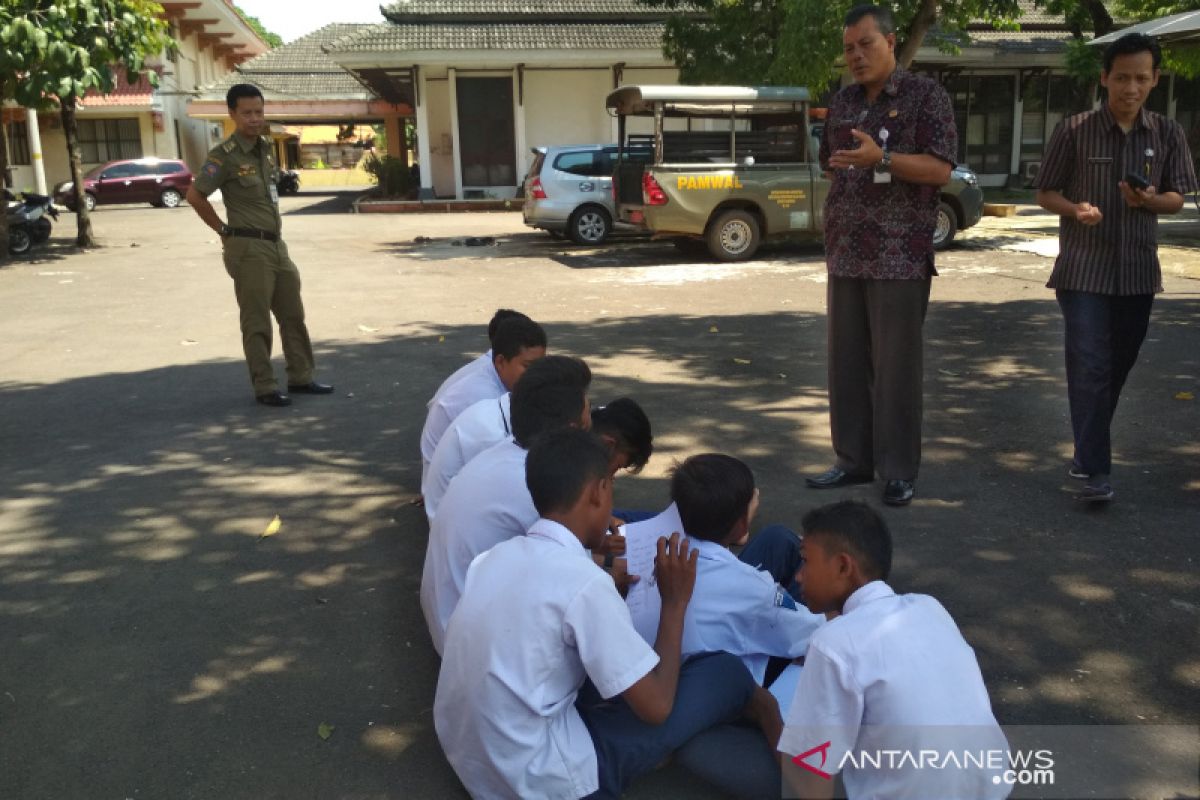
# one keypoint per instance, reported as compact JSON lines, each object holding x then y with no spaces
{"x":17,"y":135}
{"x":1046,"y":100}
{"x":983,"y":111}
{"x":103,"y":140}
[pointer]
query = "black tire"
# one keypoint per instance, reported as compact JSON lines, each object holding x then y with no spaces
{"x":589,"y":225}
{"x":89,"y":201}
{"x":19,"y":240}
{"x":171,"y":198}
{"x":41,"y":230}
{"x":946,"y":227}
{"x":733,"y":235}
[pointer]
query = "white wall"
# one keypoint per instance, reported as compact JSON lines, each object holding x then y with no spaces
{"x":442,"y":142}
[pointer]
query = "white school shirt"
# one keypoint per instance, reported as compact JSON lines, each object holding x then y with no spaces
{"x":476,"y":381}
{"x":487,"y":503}
{"x":739,"y":609}
{"x":537,"y":616}
{"x":893,"y":672}
{"x":479,"y":427}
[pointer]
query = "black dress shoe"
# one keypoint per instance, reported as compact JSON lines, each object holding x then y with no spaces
{"x":274,"y":398}
{"x":898,"y":493}
{"x":834,"y":477}
{"x":1096,"y":490}
{"x":312,"y":387}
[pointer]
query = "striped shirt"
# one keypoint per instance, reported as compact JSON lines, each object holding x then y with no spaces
{"x":1087,"y":157}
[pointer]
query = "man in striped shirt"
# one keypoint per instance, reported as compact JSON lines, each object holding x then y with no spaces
{"x":1109,"y":173}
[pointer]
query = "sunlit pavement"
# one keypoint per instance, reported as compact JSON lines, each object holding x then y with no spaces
{"x":153,"y":644}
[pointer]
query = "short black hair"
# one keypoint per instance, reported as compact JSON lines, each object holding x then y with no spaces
{"x":516,"y":334}
{"x":855,"y":528}
{"x":712,"y":492}
{"x":501,"y":315}
{"x":624,"y":420}
{"x":240,"y":90}
{"x":549,"y":395}
{"x":1128,"y":45}
{"x":560,"y":465}
{"x":883,"y":17}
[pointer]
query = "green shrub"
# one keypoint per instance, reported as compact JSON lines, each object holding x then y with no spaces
{"x":389,"y":173}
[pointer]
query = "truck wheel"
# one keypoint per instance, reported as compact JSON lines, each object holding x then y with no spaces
{"x":946,"y":227}
{"x":733,"y":236}
{"x":589,"y":225}
{"x":19,"y":240}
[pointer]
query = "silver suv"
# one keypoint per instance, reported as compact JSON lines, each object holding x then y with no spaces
{"x":568,"y":191}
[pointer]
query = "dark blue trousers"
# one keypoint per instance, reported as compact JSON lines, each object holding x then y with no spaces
{"x":1104,"y":334}
{"x":713,"y":689}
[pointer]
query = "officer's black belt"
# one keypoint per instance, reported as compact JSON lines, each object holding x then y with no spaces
{"x":254,"y":233}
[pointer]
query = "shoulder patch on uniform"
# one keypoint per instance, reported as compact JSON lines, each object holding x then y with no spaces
{"x":212,"y":169}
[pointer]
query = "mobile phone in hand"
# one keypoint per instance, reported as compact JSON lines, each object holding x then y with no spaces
{"x":1136,"y":181}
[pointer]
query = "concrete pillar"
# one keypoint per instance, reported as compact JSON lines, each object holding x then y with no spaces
{"x":423,"y":155}
{"x":519,"y":120}
{"x":35,"y":150}
{"x":1014,"y":167}
{"x":455,"y":136}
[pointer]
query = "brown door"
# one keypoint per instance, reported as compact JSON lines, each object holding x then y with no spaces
{"x":487,"y":144}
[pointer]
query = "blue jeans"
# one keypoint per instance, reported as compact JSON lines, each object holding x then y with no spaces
{"x":713,"y":689}
{"x":1104,"y":334}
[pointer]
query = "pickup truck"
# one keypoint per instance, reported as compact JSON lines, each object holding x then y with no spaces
{"x":733,"y":165}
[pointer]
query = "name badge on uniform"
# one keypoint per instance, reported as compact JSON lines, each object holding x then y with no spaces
{"x":274,"y":192}
{"x":883,"y":177}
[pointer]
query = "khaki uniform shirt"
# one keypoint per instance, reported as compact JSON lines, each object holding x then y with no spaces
{"x":245,"y":172}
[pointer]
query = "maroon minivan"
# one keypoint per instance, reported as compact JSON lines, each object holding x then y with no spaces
{"x":159,"y":182}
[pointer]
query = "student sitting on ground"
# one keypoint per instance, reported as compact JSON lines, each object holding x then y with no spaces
{"x":736,"y":608}
{"x":488,"y":502}
{"x":518,"y":342}
{"x":892,"y":672}
{"x":481,"y":363}
{"x":538,"y":617}
{"x":622,"y":424}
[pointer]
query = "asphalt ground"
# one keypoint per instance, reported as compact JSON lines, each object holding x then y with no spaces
{"x":153,"y":645}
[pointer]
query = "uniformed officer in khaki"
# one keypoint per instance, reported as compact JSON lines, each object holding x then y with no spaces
{"x":264,"y":277}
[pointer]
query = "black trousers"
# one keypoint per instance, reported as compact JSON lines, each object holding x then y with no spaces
{"x":1104,"y":334}
{"x":876,"y":372}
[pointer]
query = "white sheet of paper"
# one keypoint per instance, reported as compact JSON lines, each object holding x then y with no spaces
{"x":784,"y":687}
{"x":641,"y":546}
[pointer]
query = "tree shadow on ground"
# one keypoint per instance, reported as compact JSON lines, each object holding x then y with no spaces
{"x":155,"y":645}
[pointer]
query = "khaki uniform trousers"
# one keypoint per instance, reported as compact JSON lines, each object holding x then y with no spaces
{"x":266,"y":282}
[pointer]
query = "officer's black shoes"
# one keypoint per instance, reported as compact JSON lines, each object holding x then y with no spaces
{"x":834,"y":478}
{"x":274,"y":398}
{"x":312,"y":387}
{"x":898,"y":493}
{"x":1096,"y":490}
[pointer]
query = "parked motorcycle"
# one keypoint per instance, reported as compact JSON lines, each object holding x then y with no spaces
{"x":289,"y":181}
{"x":28,"y":221}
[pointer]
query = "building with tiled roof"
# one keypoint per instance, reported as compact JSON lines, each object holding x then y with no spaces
{"x":140,"y":120}
{"x":486,"y":81}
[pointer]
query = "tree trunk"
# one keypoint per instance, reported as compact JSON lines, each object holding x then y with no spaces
{"x":71,"y":129}
{"x":3,"y":200}
{"x":924,"y":19}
